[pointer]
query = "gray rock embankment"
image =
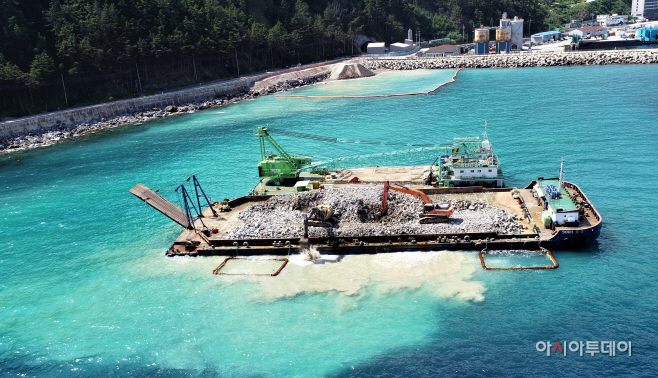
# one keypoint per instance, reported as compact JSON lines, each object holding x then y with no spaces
{"x":282,"y":216}
{"x":520,"y":60}
{"x":56,"y":134}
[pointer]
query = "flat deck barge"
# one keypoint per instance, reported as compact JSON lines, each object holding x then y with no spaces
{"x":211,"y":233}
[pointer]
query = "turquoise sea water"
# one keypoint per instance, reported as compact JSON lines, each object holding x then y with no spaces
{"x":85,"y":288}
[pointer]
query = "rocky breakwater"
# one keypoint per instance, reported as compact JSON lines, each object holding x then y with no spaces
{"x":289,"y":80}
{"x":640,"y":56}
{"x":56,"y":134}
{"x":356,"y":210}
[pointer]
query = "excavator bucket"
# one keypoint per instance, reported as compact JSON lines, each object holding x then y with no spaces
{"x":317,"y":223}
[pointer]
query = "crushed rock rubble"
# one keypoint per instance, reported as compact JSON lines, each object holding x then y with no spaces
{"x":639,"y":56}
{"x":355,"y":209}
{"x":55,"y":134}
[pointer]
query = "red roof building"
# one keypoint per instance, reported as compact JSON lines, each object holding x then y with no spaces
{"x":442,"y":50}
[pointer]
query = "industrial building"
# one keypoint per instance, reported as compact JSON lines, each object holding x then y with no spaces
{"x":380,"y":48}
{"x":376,"y":48}
{"x":645,"y":8}
{"x":504,"y":35}
{"x":481,"y":40}
{"x":410,"y":37}
{"x":516,"y":38}
{"x":509,"y":36}
{"x":443,"y":50}
{"x":544,"y":37}
{"x":590,"y":31}
{"x":515,"y":27}
{"x":401,"y":47}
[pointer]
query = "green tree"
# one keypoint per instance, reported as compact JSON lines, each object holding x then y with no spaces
{"x":42,"y":66}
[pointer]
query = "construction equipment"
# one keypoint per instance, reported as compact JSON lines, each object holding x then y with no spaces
{"x":322,"y":216}
{"x":278,"y":167}
{"x":432,"y":213}
{"x":224,"y":206}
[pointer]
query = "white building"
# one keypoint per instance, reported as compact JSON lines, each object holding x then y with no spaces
{"x":590,"y":31}
{"x":401,"y":47}
{"x":611,"y":20}
{"x":474,"y":171}
{"x":376,"y":48}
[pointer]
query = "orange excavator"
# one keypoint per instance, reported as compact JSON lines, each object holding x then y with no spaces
{"x":439,"y":213}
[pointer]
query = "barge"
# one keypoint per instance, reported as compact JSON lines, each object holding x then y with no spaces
{"x":208,"y":234}
{"x":546,"y":214}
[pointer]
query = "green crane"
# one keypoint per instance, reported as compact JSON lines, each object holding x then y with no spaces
{"x":278,"y":167}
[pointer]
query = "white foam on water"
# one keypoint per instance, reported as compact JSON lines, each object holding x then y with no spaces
{"x":299,"y":259}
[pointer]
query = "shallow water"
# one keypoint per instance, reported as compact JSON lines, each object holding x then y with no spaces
{"x":85,"y":289}
{"x":385,"y":83}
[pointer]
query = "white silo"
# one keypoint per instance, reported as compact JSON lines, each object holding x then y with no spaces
{"x":517,"y":33}
{"x":504,"y":21}
{"x":410,"y":35}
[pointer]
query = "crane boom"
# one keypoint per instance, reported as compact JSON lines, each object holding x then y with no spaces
{"x":384,"y":158}
{"x":281,"y":166}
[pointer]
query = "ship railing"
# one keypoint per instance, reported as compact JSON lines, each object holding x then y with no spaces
{"x":576,"y":188}
{"x":525,"y":211}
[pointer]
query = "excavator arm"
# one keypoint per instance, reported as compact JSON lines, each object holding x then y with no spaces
{"x":402,"y":189}
{"x":431,"y":213}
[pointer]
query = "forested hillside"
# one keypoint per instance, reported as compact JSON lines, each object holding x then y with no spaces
{"x":56,"y":54}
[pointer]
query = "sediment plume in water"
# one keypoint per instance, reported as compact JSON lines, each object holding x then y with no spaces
{"x":446,"y":274}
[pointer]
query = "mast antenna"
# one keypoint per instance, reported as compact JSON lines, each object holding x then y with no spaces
{"x":561,"y":173}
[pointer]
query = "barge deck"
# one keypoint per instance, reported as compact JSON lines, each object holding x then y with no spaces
{"x":522,"y":202}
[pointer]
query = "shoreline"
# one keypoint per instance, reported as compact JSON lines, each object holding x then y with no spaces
{"x":45,"y":137}
{"x":56,"y":134}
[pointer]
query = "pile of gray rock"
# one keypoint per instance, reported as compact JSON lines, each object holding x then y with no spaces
{"x":640,"y":56}
{"x":357,"y":209}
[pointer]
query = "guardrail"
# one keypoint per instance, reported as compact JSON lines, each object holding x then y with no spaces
{"x":393,"y":55}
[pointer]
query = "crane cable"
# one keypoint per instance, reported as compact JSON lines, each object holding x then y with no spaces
{"x":340,"y":140}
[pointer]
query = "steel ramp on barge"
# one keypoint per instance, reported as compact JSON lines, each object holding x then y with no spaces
{"x":159,"y":203}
